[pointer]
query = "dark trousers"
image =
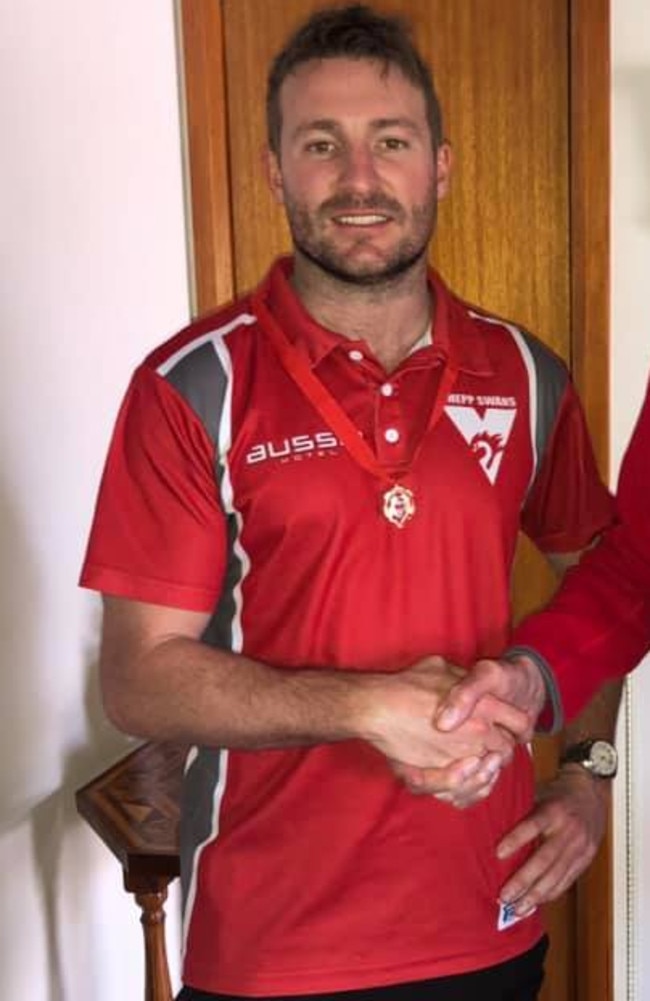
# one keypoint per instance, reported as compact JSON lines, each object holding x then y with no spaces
{"x":518,"y":979}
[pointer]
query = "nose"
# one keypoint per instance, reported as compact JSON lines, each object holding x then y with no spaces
{"x":358,"y":169}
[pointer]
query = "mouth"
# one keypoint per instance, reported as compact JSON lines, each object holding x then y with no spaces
{"x":365,"y":219}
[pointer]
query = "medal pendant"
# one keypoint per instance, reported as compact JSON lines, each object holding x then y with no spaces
{"x":399,"y":505}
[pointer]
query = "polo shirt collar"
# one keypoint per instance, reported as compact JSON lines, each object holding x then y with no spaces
{"x":455,"y":335}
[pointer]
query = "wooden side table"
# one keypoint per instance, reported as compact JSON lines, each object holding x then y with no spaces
{"x":134,"y":808}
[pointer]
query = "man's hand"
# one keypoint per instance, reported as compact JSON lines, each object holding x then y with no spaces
{"x":492,"y":686}
{"x":399,"y":719}
{"x":569,"y":820}
{"x":460,"y":784}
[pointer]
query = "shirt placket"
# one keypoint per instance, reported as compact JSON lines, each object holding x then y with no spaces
{"x":391,"y":433}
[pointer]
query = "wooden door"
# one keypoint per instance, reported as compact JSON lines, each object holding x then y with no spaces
{"x":528,"y":207}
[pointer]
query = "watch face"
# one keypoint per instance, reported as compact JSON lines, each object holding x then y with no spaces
{"x":603,"y":758}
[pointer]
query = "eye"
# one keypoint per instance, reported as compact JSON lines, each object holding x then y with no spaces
{"x":320,"y":147}
{"x":393,"y":143}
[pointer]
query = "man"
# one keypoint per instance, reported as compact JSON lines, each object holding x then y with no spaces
{"x":294,"y":517}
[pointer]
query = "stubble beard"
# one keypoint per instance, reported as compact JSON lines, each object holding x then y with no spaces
{"x":321,"y":250}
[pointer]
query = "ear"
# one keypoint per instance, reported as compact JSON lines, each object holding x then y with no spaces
{"x":444,"y":164}
{"x":273,"y":174}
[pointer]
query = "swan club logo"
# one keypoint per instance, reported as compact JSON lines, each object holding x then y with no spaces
{"x":486,"y":431}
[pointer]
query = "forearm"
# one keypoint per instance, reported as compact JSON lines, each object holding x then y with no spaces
{"x":598,"y":625}
{"x":184,"y":690}
{"x":160,"y":681}
{"x":598,"y":718}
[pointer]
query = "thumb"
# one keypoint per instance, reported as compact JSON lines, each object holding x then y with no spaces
{"x":459,"y":704}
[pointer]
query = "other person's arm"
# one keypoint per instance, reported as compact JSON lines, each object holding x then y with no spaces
{"x":597,"y":626}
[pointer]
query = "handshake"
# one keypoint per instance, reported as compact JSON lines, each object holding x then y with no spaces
{"x":448,"y":732}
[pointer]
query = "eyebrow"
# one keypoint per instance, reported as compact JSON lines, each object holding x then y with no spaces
{"x":332,"y":126}
{"x":316,"y":125}
{"x":395,"y":123}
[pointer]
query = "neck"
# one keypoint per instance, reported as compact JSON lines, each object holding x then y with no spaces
{"x":390,"y":317}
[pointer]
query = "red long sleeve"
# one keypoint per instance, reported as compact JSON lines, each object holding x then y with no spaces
{"x":598,"y":624}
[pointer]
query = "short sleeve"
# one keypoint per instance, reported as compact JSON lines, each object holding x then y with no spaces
{"x":158,"y":533}
{"x":568,"y":504}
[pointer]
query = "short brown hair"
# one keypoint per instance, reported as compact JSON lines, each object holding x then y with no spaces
{"x":358,"y":32}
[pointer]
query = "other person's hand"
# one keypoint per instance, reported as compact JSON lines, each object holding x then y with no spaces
{"x":489,"y":688}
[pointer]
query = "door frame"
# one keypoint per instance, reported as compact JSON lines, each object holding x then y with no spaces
{"x":590,"y":214}
{"x":210,"y":242}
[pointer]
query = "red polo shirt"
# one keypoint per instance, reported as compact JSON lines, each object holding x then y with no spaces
{"x":313,"y":869}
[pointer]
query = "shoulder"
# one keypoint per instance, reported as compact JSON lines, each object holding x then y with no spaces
{"x":497,"y":329}
{"x":193,"y":370}
{"x":504,"y":339}
{"x":200,"y":340}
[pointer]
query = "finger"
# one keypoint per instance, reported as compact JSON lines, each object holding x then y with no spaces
{"x":459,"y":704}
{"x":498,"y":742}
{"x":527,"y":830}
{"x":509,"y":682}
{"x":410,"y":775}
{"x":467,"y":789}
{"x":471,"y":797}
{"x":544,"y":877}
{"x":438,"y":665}
{"x":434,"y":780}
{"x":500,"y":713}
{"x":552,"y":868}
{"x":537,"y":867}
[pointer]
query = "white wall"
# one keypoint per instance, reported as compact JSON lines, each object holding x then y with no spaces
{"x":630,"y":368}
{"x":93,"y":274}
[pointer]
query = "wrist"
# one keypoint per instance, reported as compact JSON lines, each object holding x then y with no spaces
{"x":549,"y":716}
{"x":360,"y":699}
{"x":532,"y":680}
{"x":581,"y":778}
{"x":369,"y":705}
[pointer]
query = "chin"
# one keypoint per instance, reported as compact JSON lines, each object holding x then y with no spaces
{"x":371,"y":271}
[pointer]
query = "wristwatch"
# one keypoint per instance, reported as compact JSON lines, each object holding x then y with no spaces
{"x":599,"y":757}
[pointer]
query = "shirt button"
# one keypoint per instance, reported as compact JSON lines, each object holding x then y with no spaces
{"x":355,"y":355}
{"x":391,"y":435}
{"x":386,"y":389}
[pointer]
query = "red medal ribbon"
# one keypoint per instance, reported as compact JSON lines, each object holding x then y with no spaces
{"x":398,"y":501}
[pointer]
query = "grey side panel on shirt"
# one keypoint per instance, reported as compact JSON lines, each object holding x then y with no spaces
{"x":202,"y":381}
{"x":197,"y":810}
{"x":551,"y":378}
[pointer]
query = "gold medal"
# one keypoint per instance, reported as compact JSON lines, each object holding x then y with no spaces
{"x":399,"y":505}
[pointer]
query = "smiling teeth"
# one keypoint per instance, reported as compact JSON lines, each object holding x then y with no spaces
{"x":361,"y":220}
